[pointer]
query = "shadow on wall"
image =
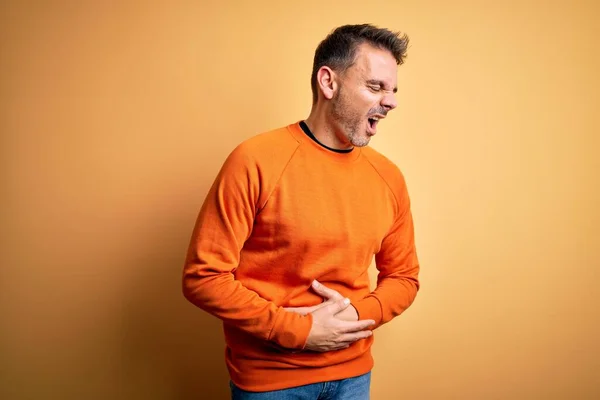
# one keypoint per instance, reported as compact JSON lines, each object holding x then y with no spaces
{"x":171,"y":349}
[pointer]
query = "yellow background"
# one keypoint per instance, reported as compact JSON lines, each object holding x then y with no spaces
{"x":115,"y":117}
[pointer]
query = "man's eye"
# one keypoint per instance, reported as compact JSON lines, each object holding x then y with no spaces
{"x":375,"y":88}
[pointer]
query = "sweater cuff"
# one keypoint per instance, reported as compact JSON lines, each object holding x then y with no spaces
{"x":369,"y":308}
{"x":291,"y":330}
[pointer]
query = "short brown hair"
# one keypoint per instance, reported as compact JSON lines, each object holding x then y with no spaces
{"x":338,"y":49}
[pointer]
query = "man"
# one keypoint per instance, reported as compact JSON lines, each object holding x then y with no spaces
{"x":284,"y":239}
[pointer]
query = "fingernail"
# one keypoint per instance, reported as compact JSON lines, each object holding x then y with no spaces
{"x":315,"y":284}
{"x":346,"y":301}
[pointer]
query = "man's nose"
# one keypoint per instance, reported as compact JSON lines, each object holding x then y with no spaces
{"x":389,"y":102}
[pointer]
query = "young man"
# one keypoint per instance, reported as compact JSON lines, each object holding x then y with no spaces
{"x":284,"y":239}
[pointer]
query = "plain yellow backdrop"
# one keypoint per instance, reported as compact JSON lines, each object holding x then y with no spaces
{"x":116,"y":116}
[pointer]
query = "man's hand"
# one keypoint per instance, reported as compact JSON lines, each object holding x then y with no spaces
{"x":347,"y":314}
{"x":331,"y":333}
{"x":334,"y":321}
{"x":330,"y":296}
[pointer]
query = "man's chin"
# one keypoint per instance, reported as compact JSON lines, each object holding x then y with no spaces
{"x":360,"y":142}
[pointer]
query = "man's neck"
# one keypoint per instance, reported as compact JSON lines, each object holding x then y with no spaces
{"x":324,"y":131}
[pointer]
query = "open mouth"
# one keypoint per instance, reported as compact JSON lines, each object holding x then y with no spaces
{"x":373,"y":123}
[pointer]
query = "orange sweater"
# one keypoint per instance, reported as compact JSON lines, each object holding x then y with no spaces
{"x":282,"y":212}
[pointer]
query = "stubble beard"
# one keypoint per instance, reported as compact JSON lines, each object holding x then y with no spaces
{"x":350,"y":122}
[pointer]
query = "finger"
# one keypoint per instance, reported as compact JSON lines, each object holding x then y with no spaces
{"x":350,"y":338}
{"x":324,"y":291}
{"x":348,"y":327}
{"x":341,"y":346}
{"x":333,"y":346}
{"x":337,"y":306}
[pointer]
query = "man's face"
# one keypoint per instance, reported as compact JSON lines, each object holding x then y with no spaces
{"x":366,"y":93}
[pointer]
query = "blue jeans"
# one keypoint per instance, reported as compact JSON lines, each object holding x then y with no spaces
{"x":346,"y":389}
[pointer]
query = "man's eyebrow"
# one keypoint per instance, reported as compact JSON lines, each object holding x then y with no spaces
{"x":380,"y":83}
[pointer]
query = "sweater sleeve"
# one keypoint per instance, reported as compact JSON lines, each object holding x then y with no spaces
{"x":398,"y":266}
{"x":223,"y":225}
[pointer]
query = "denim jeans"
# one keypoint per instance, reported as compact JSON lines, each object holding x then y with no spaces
{"x":346,"y":389}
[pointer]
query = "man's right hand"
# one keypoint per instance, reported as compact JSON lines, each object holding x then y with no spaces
{"x":330,"y":333}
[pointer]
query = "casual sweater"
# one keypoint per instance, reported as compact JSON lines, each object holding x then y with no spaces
{"x":282,"y":212}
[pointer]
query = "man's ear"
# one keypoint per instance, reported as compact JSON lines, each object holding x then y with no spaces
{"x":327,"y":82}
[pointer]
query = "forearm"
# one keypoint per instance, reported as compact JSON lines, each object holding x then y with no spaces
{"x":220,"y":295}
{"x":392,"y":296}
